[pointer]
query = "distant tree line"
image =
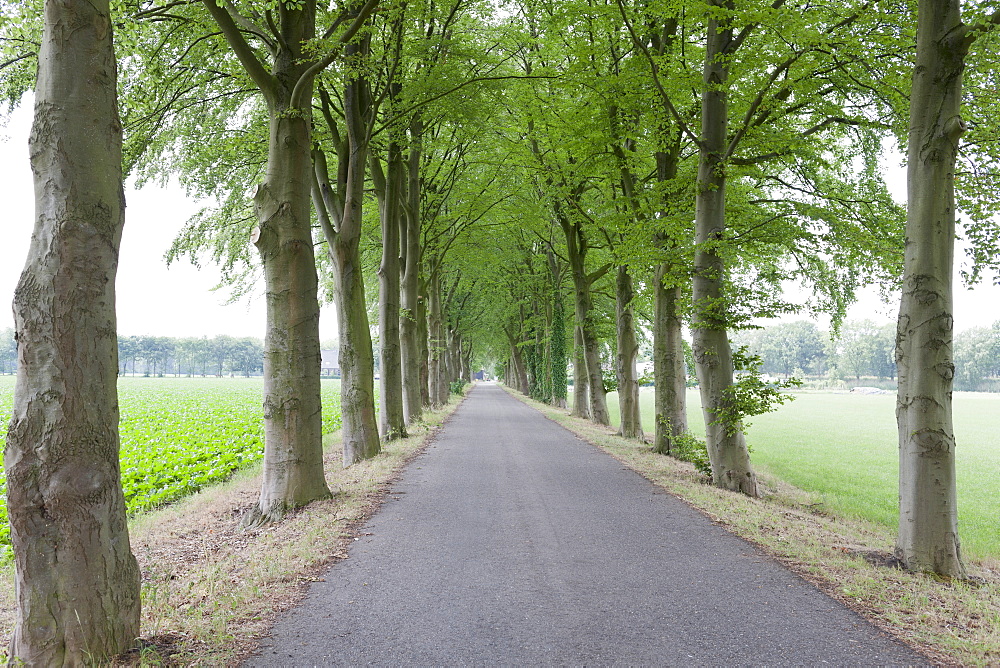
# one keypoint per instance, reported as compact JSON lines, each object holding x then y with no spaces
{"x":8,"y":351}
{"x":190,"y":356}
{"x":865,"y":349}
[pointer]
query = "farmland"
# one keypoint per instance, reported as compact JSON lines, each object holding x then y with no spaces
{"x":843,"y":448}
{"x":181,"y":434}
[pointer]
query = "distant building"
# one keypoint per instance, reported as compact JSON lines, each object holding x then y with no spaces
{"x":330,"y":364}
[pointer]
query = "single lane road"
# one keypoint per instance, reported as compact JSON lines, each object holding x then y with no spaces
{"x":512,"y":542}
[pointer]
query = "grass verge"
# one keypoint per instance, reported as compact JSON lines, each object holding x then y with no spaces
{"x":845,"y":448}
{"x":953,"y":623}
{"x":210,"y":591}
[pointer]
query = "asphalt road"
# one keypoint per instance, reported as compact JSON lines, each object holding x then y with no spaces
{"x":512,"y":542}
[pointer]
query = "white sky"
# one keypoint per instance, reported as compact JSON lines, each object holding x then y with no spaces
{"x":152,"y":299}
{"x":178,"y":301}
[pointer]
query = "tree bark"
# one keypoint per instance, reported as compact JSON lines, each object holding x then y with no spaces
{"x":581,"y":381}
{"x":293,"y":448}
{"x":436,"y":343}
{"x":357,"y":361}
{"x":576,"y":249}
{"x":668,"y":365}
{"x":557,"y":346}
{"x":423,"y":337}
{"x":409,"y":322}
{"x":76,"y":580}
{"x":628,"y":351}
{"x":928,"y":518}
{"x":518,"y":369}
{"x":727,"y":448}
{"x":392,"y":422}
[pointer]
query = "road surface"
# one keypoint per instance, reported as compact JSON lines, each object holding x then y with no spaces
{"x":512,"y":542}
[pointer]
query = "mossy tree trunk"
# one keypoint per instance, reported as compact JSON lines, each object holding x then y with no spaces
{"x":581,"y":381}
{"x":668,"y":364}
{"x":576,"y":252}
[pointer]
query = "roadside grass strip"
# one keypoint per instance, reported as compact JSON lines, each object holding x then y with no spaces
{"x":843,"y":448}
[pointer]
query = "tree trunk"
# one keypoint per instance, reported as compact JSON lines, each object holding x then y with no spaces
{"x":423,"y":337}
{"x":518,"y":368}
{"x":293,"y":448}
{"x":727,"y":448}
{"x":576,"y":248}
{"x":928,"y":522}
{"x":76,"y":580}
{"x":392,"y":423}
{"x":409,"y":322}
{"x":357,"y":361}
{"x":557,"y":346}
{"x":668,"y":365}
{"x":628,"y":351}
{"x":436,"y":342}
{"x":581,"y":382}
{"x":595,"y":374}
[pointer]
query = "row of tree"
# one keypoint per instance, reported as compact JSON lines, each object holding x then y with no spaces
{"x":220,"y":355}
{"x":864,"y":349}
{"x":519,"y":184}
{"x":8,"y":351}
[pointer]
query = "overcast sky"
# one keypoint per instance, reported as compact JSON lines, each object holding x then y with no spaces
{"x":178,"y":301}
{"x":152,"y":299}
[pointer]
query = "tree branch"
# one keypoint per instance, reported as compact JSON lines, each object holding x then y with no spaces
{"x":366,"y":11}
{"x":264,"y":80}
{"x":655,"y":70}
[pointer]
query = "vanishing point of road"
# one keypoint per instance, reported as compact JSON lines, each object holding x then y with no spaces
{"x":512,"y":542}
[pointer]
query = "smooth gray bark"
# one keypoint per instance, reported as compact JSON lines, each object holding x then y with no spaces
{"x":392,"y":423}
{"x":76,"y":580}
{"x":668,"y":365}
{"x":410,"y":256}
{"x":576,"y":251}
{"x":581,"y":382}
{"x":423,"y":337}
{"x":928,"y":518}
{"x":727,"y":448}
{"x":518,"y":369}
{"x":293,"y":448}
{"x":357,"y":362}
{"x":627,"y":352}
{"x":436,"y":351}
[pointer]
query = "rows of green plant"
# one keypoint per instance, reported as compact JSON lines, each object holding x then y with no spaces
{"x":180,"y":434}
{"x":843,"y":448}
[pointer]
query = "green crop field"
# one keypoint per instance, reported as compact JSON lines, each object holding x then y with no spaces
{"x":181,"y":434}
{"x":843,"y":447}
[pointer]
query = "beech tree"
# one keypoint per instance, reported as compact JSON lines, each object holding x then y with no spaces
{"x":753,"y":185}
{"x":284,"y":73}
{"x":77,"y":582}
{"x":928,"y":516}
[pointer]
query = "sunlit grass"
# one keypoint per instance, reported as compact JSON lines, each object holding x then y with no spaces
{"x":843,"y":447}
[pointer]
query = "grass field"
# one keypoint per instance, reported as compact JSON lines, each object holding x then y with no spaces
{"x":180,"y":434}
{"x":843,"y":448}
